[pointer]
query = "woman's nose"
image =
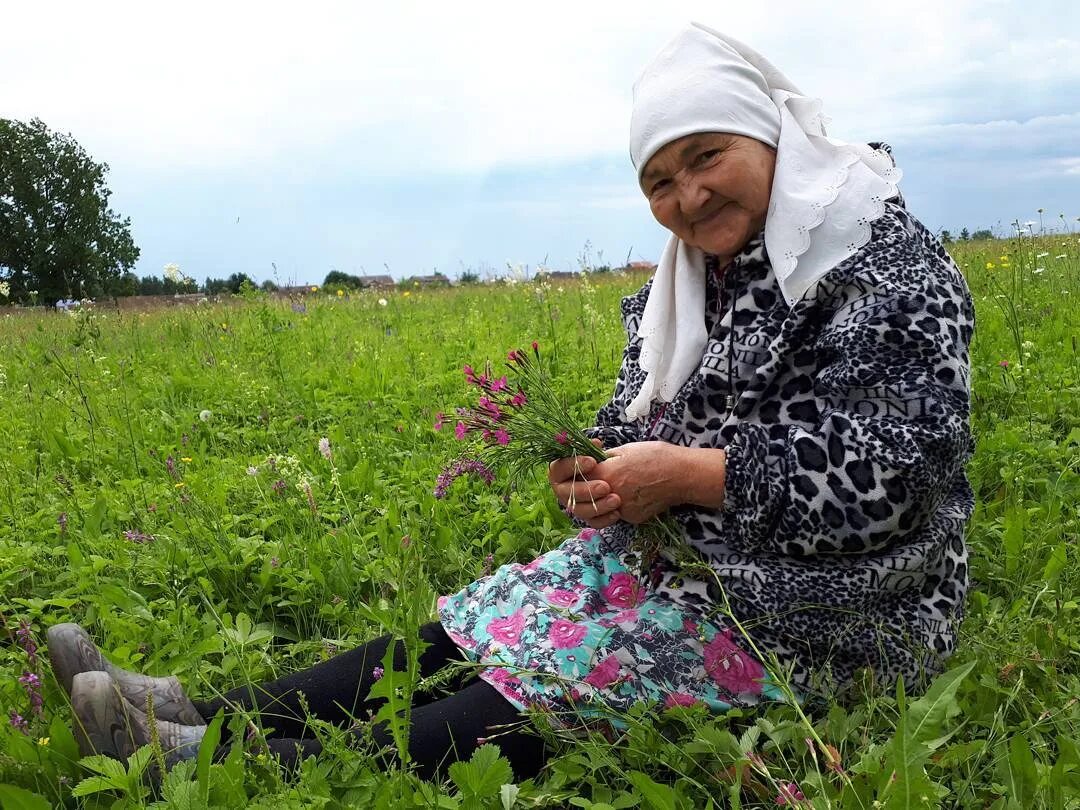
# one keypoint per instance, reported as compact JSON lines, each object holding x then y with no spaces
{"x":693,"y":195}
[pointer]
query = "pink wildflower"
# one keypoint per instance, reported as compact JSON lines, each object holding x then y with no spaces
{"x":499,"y":385}
{"x":324,"y":448}
{"x":562,"y":437}
{"x":789,"y":795}
{"x":502,"y":437}
{"x":518,"y":400}
{"x":512,"y":356}
{"x":535,"y":346}
{"x":460,"y":430}
{"x":439,"y":417}
{"x":377,"y":673}
{"x":470,"y":375}
{"x":1004,"y":364}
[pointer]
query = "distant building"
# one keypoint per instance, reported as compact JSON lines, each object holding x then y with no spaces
{"x":435,"y":280}
{"x":640,"y":266}
{"x":377,"y":281}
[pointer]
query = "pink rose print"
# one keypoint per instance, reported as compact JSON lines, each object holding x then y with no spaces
{"x":730,"y":667}
{"x":604,"y":673}
{"x":507,"y":629}
{"x":502,"y":675}
{"x":566,"y":634}
{"x":622,"y":590}
{"x":680,"y":699}
{"x":588,"y":534}
{"x":561,"y":598}
{"x":442,"y":601}
{"x":460,"y":640}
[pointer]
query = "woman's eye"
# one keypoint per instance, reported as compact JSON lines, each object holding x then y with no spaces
{"x":706,"y":156}
{"x":659,"y":185}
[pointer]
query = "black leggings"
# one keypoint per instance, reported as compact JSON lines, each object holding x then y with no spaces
{"x":442,"y":730}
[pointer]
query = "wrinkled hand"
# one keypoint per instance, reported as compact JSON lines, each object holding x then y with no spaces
{"x":589,"y":500}
{"x":650,"y":477}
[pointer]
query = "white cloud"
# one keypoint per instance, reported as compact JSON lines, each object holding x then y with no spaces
{"x":417,"y":88}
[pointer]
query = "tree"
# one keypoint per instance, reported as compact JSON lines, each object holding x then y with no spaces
{"x":946,"y":236}
{"x":58,"y":235}
{"x":965,"y":234}
{"x":982,"y":233}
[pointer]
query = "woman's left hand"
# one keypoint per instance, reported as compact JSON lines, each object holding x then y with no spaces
{"x":651,"y":477}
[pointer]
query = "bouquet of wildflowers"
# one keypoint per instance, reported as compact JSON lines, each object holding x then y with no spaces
{"x":520,"y":422}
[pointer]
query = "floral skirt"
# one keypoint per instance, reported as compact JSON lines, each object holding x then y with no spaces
{"x":575,"y":632}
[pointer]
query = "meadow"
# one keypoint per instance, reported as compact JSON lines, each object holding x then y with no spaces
{"x":161,"y":482}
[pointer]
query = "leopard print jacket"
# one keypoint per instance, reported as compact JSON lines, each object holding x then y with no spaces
{"x":840,"y":544}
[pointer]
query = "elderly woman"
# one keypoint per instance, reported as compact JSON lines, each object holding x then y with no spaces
{"x":794,"y":393}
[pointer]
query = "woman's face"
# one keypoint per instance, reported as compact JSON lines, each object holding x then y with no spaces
{"x":711,"y":189}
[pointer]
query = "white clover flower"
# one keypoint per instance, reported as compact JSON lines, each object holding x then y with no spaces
{"x":1042,"y":255}
{"x":252,"y":470}
{"x":1039,"y":270}
{"x":382,"y":302}
{"x":205,"y":415}
{"x":1061,"y":256}
{"x":324,"y":447}
{"x":5,"y":289}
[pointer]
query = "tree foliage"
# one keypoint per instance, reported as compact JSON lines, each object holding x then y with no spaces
{"x":58,"y":235}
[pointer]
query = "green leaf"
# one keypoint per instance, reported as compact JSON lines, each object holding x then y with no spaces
{"x":94,"y":784}
{"x":1059,"y":558}
{"x":484,"y":774}
{"x":207,"y":748}
{"x":660,"y":797}
{"x":16,"y":798}
{"x":904,"y":782}
{"x":106,"y":766}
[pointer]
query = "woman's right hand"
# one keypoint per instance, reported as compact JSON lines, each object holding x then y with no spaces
{"x":589,"y":501}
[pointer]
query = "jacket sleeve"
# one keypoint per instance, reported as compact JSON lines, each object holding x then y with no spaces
{"x":890,"y":406}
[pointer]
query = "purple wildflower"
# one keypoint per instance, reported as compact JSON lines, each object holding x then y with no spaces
{"x":31,"y":682}
{"x":18,"y":722}
{"x":170,"y":465}
{"x":502,"y":437}
{"x":456,"y":469}
{"x":377,"y":673}
{"x":299,"y":308}
{"x":26,"y":641}
{"x":279,"y":486}
{"x":562,"y":437}
{"x":489,"y":561}
{"x":274,"y":562}
{"x":499,"y":385}
{"x":460,"y":430}
{"x":135,"y":536}
{"x":324,"y":448}
{"x":518,"y":400}
{"x":61,"y":521}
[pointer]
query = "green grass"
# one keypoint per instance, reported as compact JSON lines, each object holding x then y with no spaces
{"x":244,"y":577}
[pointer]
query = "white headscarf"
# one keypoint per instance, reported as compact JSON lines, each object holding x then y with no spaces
{"x":825,"y":192}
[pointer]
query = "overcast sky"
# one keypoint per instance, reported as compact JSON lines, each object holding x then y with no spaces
{"x":420,"y":136}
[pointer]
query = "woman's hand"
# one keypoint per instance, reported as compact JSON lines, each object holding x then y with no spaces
{"x":648,"y":478}
{"x":586,"y":499}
